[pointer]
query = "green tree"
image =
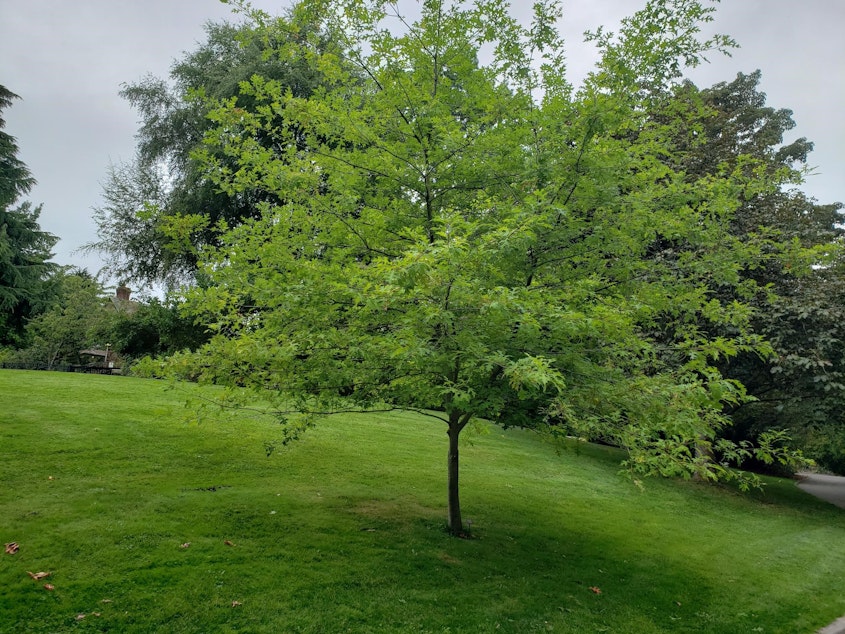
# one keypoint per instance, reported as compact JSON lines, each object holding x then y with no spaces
{"x":80,"y":317}
{"x":475,"y":240}
{"x":799,"y":386}
{"x":155,"y":328}
{"x":161,"y":208}
{"x":24,"y":247}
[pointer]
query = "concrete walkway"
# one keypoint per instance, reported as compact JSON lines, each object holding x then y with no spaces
{"x":830,"y":489}
{"x":837,"y":627}
{"x":826,"y":487}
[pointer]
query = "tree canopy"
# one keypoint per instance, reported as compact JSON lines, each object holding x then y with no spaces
{"x":466,"y":234}
{"x":76,"y":319}
{"x":799,"y":387}
{"x":161,"y":208}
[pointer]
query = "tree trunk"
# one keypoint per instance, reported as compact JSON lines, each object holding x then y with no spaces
{"x":455,"y":523}
{"x":703,"y":449}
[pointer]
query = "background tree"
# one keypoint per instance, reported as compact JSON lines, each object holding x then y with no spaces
{"x":80,"y":317}
{"x":162,"y":208}
{"x":83,"y":315}
{"x":24,"y":247}
{"x":799,"y":386}
{"x":155,"y":328}
{"x":802,"y":387}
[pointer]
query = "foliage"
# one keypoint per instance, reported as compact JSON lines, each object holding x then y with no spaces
{"x":15,"y":177}
{"x":478,"y":240}
{"x":802,"y":387}
{"x":79,"y":318}
{"x":24,"y":247}
{"x":160,"y":209}
{"x":82,"y":316}
{"x":155,"y":328}
{"x":799,"y":386}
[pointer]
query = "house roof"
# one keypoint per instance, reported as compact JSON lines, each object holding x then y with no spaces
{"x":96,"y":353}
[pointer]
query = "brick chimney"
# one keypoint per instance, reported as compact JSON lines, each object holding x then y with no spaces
{"x":122,"y":293}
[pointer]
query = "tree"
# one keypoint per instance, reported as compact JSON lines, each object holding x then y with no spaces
{"x":80,"y":317}
{"x":24,"y":247}
{"x":801,"y":388}
{"x":475,"y":240}
{"x":155,"y":328}
{"x":162,"y":208}
{"x":798,"y":387}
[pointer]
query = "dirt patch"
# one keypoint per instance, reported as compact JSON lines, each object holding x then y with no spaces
{"x":447,"y":558}
{"x":393,"y":512}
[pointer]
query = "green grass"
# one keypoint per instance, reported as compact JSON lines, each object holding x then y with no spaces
{"x":103,"y":480}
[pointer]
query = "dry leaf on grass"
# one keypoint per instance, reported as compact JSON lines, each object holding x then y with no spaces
{"x":595,"y":589}
{"x":185,"y":545}
{"x":79,"y":617}
{"x":49,"y":586}
{"x":228,"y":543}
{"x":236,"y":604}
{"x":12,"y":548}
{"x":38,"y":576}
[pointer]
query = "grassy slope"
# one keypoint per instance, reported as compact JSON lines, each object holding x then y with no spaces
{"x":342,"y":531}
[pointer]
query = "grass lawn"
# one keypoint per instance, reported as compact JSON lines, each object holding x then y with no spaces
{"x":104,"y":481}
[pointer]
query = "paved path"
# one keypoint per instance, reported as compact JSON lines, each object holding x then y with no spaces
{"x":830,"y":489}
{"x":827,"y":487}
{"x":837,"y":627}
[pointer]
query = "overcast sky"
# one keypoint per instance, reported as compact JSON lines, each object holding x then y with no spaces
{"x":67,"y":60}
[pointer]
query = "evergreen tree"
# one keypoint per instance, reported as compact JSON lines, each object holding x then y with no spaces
{"x":24,"y":247}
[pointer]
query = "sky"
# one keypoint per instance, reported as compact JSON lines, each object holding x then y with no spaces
{"x":68,"y":59}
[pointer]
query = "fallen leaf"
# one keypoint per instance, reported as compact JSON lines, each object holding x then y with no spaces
{"x":185,"y":545}
{"x":595,"y":589}
{"x":105,"y":601}
{"x":236,"y":604}
{"x":49,"y":586}
{"x":79,"y":617}
{"x":12,"y":548}
{"x":228,"y":543}
{"x":38,"y":576}
{"x":50,"y":478}
{"x":95,"y":614}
